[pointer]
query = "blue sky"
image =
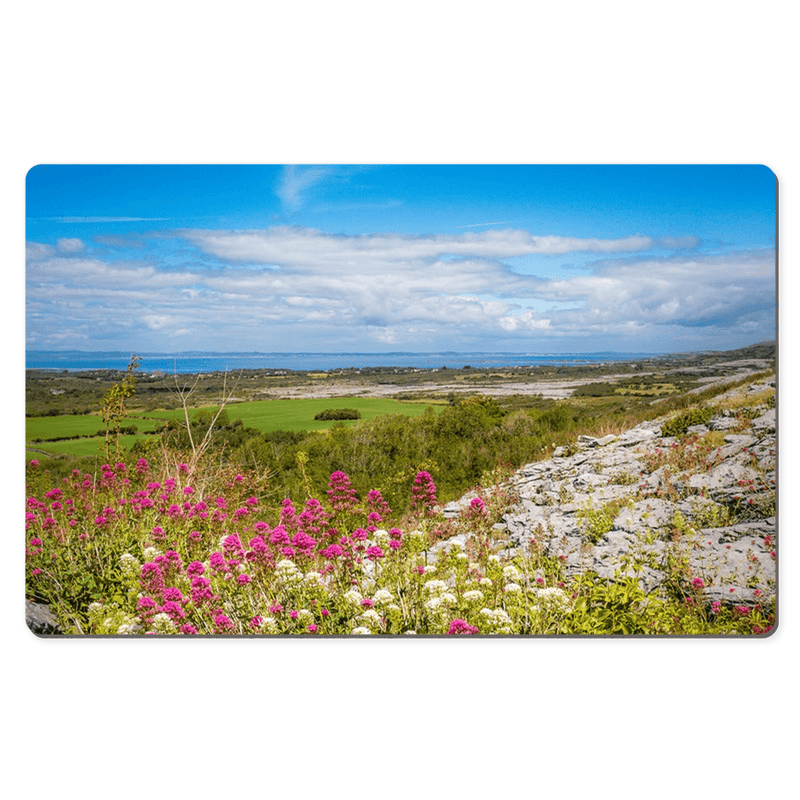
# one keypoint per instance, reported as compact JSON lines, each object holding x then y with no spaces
{"x":394,"y":257}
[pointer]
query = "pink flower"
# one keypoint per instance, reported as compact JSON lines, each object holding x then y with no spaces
{"x":698,"y":583}
{"x":279,"y":536}
{"x":341,"y":494}
{"x":366,"y":603}
{"x":332,"y":551}
{"x":312,"y":628}
{"x":243,"y":578}
{"x":374,"y":552}
{"x":232,"y":546}
{"x":222,"y":623}
{"x":423,"y":493}
{"x":146,"y":608}
{"x":477,"y":505}
{"x":173,"y":610}
{"x":460,"y":626}
{"x":201,"y":591}
{"x":217,"y":562}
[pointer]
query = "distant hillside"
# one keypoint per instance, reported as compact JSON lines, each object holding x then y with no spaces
{"x":761,"y":350}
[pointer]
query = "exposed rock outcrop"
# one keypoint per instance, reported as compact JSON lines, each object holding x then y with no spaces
{"x":700,"y":507}
{"x":40,"y":619}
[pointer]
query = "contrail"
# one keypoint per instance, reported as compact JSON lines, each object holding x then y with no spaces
{"x":480,"y":224}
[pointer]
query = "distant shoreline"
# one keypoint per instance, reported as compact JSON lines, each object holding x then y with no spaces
{"x":193,"y":363}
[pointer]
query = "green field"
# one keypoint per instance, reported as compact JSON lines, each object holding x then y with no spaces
{"x":262,"y":415}
{"x":298,"y":414}
{"x":78,"y":425}
{"x":79,"y":447}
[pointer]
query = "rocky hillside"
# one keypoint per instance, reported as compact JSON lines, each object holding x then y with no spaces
{"x":674,"y":502}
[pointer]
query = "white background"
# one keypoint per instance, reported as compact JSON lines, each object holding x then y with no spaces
{"x":435,"y":82}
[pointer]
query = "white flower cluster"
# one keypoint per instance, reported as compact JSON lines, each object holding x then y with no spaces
{"x":94,"y":608}
{"x":435,"y":587}
{"x":381,"y":538}
{"x":162,"y":623}
{"x":370,"y":618}
{"x":312,"y":578}
{"x":304,"y":616}
{"x":440,"y":603}
{"x":353,"y":596}
{"x":151,"y":552}
{"x":287,"y":572}
{"x":497,"y":619}
{"x":269,"y":625}
{"x":361,"y":631}
{"x":382,"y":597}
{"x":126,"y":628}
{"x":511,"y":573}
{"x":553,"y":599}
{"x":473,"y":596}
{"x":129,"y":565}
{"x":485,"y":582}
{"x":513,"y":588}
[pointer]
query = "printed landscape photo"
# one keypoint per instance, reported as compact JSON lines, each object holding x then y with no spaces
{"x":431,"y":400}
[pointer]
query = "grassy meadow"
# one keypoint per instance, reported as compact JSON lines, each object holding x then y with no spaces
{"x":78,"y":434}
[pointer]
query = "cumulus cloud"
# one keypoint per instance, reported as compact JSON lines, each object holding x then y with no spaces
{"x":294,"y":288}
{"x":288,"y":246}
{"x":69,"y":245}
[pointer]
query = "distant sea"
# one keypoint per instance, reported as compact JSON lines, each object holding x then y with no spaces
{"x":194,"y":362}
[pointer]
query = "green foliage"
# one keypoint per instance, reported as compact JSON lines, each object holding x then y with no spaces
{"x":677,"y":426}
{"x":608,"y":607}
{"x":113,"y":408}
{"x":600,"y":521}
{"x":338,"y":413}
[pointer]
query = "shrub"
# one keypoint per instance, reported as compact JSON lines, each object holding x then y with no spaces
{"x":338,"y":413}
{"x":677,"y":426}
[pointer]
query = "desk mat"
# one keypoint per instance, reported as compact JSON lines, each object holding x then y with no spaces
{"x":416,"y":400}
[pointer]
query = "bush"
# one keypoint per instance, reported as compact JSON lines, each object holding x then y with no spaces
{"x":339,"y":413}
{"x":677,"y":426}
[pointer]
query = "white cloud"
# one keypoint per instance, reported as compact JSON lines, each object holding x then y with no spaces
{"x":70,"y":245}
{"x":34,"y":251}
{"x":289,"y":246}
{"x":291,"y":288}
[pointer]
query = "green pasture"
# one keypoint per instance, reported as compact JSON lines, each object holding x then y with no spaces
{"x":73,"y":425}
{"x":262,"y":415}
{"x":79,"y":447}
{"x":298,"y":414}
